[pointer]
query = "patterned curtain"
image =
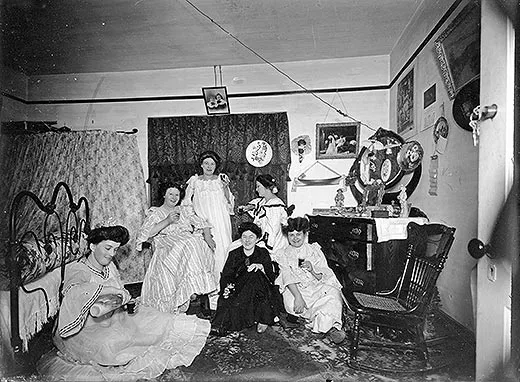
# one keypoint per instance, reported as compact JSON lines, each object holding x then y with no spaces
{"x":103,"y":166}
{"x":174,"y":144}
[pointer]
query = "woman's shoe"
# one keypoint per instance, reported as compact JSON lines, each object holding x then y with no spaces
{"x":336,"y":335}
{"x":260,"y":328}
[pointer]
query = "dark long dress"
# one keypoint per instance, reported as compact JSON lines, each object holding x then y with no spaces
{"x":252,"y":299}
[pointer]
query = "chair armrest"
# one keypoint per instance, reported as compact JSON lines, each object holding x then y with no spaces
{"x":386,"y":293}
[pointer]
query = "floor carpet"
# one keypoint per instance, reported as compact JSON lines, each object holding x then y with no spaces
{"x":300,"y":355}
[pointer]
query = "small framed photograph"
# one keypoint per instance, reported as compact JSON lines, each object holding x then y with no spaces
{"x":216,"y":100}
{"x":405,"y":104}
{"x":337,"y":140}
{"x":429,"y":96}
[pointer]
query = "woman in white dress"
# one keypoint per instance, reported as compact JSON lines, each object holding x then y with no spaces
{"x":309,"y":287}
{"x":182,"y":263}
{"x":118,"y":345}
{"x":213,"y":201}
{"x":268,"y":212}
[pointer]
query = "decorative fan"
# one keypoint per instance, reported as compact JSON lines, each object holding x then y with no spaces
{"x":301,"y":146}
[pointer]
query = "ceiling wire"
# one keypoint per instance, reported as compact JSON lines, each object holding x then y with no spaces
{"x":344,"y":114}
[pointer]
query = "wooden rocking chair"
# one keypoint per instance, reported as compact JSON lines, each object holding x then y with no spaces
{"x":405,"y":307}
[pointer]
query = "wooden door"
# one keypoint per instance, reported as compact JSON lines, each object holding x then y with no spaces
{"x":496,"y":154}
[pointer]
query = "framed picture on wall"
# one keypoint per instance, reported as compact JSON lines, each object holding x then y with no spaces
{"x":337,"y":140}
{"x":216,"y":100}
{"x":458,"y":49}
{"x":405,"y":103}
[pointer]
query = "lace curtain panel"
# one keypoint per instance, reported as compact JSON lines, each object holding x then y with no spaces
{"x":174,"y":144}
{"x":103,"y":166}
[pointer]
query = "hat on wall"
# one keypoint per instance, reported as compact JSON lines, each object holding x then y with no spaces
{"x":465,"y":101}
{"x":301,"y":146}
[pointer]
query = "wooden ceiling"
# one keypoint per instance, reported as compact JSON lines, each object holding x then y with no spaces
{"x":81,"y":36}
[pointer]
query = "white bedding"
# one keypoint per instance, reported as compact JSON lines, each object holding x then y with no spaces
{"x":32,"y":308}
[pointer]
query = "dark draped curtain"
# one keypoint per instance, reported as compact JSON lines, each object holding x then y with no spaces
{"x":174,"y":144}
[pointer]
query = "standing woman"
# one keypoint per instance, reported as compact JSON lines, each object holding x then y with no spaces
{"x":268,"y":212}
{"x":213,"y":201}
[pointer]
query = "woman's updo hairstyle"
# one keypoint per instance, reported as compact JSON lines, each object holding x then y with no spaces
{"x":249,"y":226}
{"x":268,"y":182}
{"x":116,"y":233}
{"x":297,"y":224}
{"x":210,"y":154}
{"x":163,"y":187}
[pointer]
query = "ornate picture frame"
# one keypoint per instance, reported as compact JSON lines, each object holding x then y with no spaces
{"x":337,"y":140}
{"x":458,"y":49}
{"x":405,"y":103}
{"x":216,"y":100}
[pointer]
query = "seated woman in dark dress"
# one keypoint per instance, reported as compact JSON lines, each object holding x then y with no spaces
{"x":247,"y":291}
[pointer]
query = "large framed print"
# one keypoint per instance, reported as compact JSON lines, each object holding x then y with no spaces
{"x":337,"y":140}
{"x":458,"y":49}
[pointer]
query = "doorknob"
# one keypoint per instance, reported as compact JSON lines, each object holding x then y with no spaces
{"x":478,"y":249}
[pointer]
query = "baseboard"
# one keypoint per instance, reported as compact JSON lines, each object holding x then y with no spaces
{"x":462,"y":331}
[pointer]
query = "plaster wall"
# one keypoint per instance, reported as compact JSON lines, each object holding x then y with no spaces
{"x":456,"y":202}
{"x":261,"y":81}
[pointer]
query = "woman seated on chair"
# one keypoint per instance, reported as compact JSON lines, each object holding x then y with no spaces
{"x":247,"y":291}
{"x":138,"y":345}
{"x":182,"y":263}
{"x":309,"y":287}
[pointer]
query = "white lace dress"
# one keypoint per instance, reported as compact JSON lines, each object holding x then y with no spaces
{"x":210,"y":202}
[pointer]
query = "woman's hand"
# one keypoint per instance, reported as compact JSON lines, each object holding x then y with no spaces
{"x":225,"y":180}
{"x":125,"y":295}
{"x":306,"y":265}
{"x":247,"y":207}
{"x":256,"y":267}
{"x":174,"y":217}
{"x":299,"y":305}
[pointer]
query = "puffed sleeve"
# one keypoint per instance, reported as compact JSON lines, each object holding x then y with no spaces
{"x":79,"y":294}
{"x":188,"y":214}
{"x":152,"y":218}
{"x":190,"y":190}
{"x":256,"y":204}
{"x":228,"y":195}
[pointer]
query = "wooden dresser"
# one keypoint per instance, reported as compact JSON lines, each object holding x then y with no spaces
{"x":361,"y":260}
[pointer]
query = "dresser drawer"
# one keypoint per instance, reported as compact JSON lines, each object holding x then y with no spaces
{"x":337,"y":228}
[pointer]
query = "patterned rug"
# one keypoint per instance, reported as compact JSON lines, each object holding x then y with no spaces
{"x":300,"y":355}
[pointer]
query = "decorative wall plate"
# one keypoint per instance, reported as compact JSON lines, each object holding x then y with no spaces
{"x":440,"y":129}
{"x":259,"y":153}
